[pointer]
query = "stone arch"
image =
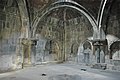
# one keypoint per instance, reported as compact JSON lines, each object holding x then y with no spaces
{"x":86,"y":44}
{"x":22,"y":5}
{"x":101,"y":12}
{"x":80,"y":9}
{"x":114,"y":47}
{"x":101,"y":33}
{"x":73,"y":50}
{"x":85,"y":52}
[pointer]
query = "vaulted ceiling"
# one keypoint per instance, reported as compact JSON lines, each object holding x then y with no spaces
{"x":36,"y":6}
{"x":91,"y":5}
{"x":71,"y":13}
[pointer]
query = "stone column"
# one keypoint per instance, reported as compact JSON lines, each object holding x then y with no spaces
{"x":101,"y":50}
{"x":28,"y":51}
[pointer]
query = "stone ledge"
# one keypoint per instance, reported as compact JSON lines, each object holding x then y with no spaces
{"x":113,"y":67}
{"x":102,"y":66}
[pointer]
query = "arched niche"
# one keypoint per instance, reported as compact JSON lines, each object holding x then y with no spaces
{"x":85,"y":52}
{"x":115,"y":50}
{"x":73,"y":52}
{"x":52,"y":51}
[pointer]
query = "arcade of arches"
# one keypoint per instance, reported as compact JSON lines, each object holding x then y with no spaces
{"x":33,"y":32}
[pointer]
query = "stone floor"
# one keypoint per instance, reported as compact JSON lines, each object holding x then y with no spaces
{"x":65,"y":71}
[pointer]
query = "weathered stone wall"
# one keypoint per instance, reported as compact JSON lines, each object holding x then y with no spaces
{"x":114,"y":26}
{"x":49,"y":31}
{"x":75,"y":34}
{"x":9,"y":37}
{"x":65,"y":35}
{"x":40,"y":51}
{"x":8,"y":52}
{"x":69,"y":37}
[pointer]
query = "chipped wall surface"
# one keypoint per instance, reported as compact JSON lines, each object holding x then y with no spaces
{"x":10,"y":33}
{"x":8,"y":54}
{"x":40,"y":51}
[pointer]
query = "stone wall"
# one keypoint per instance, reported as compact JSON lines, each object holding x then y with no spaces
{"x":76,"y":34}
{"x":67,"y":35}
{"x":8,"y":54}
{"x":10,"y":31}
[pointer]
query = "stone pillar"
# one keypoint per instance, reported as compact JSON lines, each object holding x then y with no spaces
{"x":97,"y":53}
{"x":28,"y":51}
{"x":102,"y":56}
{"x":101,"y":50}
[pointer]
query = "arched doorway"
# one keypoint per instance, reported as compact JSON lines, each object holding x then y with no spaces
{"x":115,"y":50}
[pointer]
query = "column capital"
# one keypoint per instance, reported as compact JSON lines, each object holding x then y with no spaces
{"x":28,"y":41}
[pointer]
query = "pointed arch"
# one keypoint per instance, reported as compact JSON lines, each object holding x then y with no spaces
{"x":72,"y":5}
{"x":114,"y":47}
